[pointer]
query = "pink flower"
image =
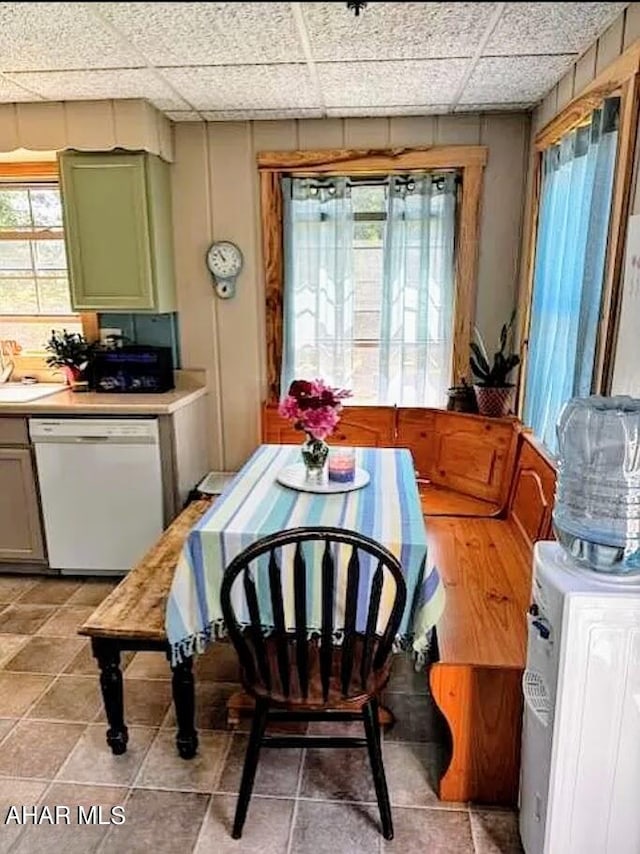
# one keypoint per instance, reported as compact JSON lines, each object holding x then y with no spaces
{"x":313,"y":406}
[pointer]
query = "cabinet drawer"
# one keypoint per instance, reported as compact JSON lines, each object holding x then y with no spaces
{"x":14,"y":431}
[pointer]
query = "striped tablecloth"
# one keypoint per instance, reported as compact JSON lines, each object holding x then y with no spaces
{"x":254,"y":504}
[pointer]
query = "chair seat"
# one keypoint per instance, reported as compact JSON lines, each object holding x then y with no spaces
{"x":356,"y":694}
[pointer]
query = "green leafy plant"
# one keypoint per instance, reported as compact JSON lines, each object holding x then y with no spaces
{"x":68,"y":350}
{"x":494,"y":375}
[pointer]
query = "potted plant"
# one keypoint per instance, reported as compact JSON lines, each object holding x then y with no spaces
{"x":494,"y":394}
{"x":313,"y":407}
{"x":70,"y":352}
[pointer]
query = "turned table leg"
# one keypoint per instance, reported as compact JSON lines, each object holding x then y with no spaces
{"x":107,"y":654}
{"x":184,"y":701}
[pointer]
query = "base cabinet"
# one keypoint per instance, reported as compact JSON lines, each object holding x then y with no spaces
{"x":20,"y":526}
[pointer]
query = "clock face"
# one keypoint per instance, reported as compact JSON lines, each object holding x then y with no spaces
{"x":224,"y":259}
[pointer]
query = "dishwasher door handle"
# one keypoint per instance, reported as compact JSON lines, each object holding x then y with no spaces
{"x":92,"y":438}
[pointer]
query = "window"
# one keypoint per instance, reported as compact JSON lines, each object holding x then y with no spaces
{"x":34,"y":286}
{"x":573,"y":229}
{"x":400,"y":338}
{"x":369,"y":284}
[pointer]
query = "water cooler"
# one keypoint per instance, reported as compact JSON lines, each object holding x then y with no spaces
{"x":580,"y":771}
{"x":580,"y":778}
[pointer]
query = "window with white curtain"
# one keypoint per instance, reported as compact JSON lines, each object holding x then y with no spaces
{"x":573,"y":227}
{"x":369,"y":281}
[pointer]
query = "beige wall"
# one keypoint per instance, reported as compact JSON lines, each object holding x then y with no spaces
{"x":623,"y":32}
{"x":215,"y":196}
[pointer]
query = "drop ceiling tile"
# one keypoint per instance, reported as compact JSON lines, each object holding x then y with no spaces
{"x":10,"y":92}
{"x":390,"y":84}
{"x":514,"y":79}
{"x":208,"y":33}
{"x":95,"y":85}
{"x":537,"y":28}
{"x":395,"y":30}
{"x":259,"y":115}
{"x":408,"y":110}
{"x":46,"y":36}
{"x":247,"y":87}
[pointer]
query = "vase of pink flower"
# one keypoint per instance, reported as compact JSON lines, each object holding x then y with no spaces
{"x":314,"y":408}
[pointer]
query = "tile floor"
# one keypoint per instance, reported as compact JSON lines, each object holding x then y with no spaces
{"x":53,"y":752}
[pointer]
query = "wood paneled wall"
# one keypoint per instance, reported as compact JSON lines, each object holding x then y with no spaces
{"x":133,"y":124}
{"x":216,"y":196}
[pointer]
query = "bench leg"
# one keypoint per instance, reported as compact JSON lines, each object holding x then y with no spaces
{"x":182,"y":684}
{"x":107,"y":653}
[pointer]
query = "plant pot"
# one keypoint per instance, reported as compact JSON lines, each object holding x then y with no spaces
{"x":461,"y":398}
{"x":72,"y":375}
{"x":495,"y":402}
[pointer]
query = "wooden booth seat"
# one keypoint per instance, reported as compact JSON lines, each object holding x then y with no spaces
{"x":486,"y":568}
{"x":464,"y":463}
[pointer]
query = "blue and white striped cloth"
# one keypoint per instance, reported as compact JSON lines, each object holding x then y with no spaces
{"x":254,"y":504}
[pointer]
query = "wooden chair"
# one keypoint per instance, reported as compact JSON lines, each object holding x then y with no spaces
{"x":296,"y":677}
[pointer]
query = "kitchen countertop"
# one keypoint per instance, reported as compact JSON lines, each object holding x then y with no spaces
{"x":66,"y":402}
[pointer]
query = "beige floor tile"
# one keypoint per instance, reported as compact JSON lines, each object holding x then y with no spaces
{"x":5,"y":726}
{"x":76,"y":837}
{"x":44,"y":655}
{"x":337,"y":774}
{"x":413,"y":771}
{"x":416,"y":718}
{"x":50,"y":591}
{"x":84,"y":664}
{"x":9,"y":646}
{"x":92,"y":593}
{"x":266,"y":829}
{"x":19,"y":690}
{"x":24,"y":619}
{"x":433,"y":830}
{"x":146,"y":702}
{"x":164,"y":769}
{"x":16,"y":793}
{"x":158,"y":822}
{"x":149,"y":665}
{"x":70,"y":698}
{"x":495,"y":831}
{"x":211,"y":705}
{"x":93,"y":762}
{"x":37,"y":748}
{"x":324,"y":828}
{"x":277,"y":774}
{"x":12,"y":587}
{"x":66,"y":621}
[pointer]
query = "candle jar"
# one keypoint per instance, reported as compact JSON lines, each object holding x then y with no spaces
{"x":342,"y":465}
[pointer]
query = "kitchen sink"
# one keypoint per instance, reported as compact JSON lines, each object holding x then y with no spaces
{"x":24,"y":392}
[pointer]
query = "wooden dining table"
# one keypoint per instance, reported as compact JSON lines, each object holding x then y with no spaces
{"x":255,"y":504}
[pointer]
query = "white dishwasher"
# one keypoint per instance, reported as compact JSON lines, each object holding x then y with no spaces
{"x":101,"y":490}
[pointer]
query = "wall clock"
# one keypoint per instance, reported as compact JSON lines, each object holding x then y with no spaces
{"x":224,"y":260}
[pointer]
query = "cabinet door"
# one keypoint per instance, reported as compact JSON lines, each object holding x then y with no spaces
{"x":20,"y":526}
{"x":107,"y":230}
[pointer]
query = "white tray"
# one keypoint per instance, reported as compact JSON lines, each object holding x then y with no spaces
{"x":295,"y":477}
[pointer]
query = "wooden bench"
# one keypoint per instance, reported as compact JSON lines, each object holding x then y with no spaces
{"x":132,"y":617}
{"x":476,"y":682}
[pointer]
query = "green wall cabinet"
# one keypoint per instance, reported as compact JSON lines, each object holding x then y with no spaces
{"x":117,"y":220}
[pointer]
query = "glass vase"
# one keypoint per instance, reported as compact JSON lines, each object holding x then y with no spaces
{"x":314,"y":456}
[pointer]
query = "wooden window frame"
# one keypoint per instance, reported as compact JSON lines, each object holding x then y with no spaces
{"x":470,"y":160}
{"x":32,"y":172}
{"x":621,"y":77}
